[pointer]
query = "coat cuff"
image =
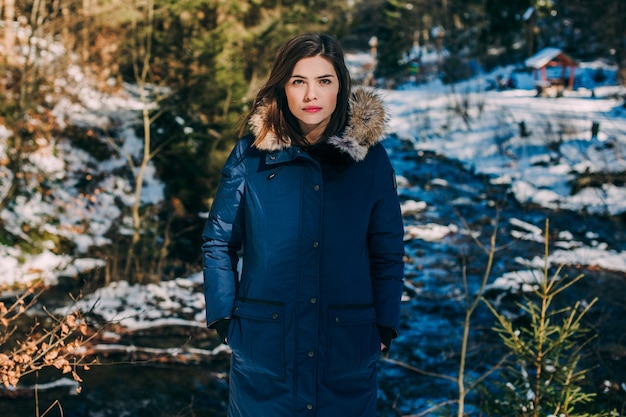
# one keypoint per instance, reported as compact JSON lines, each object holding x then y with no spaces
{"x":221,"y":326}
{"x":387,"y":334}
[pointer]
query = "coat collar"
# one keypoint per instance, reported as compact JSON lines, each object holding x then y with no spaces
{"x":366,"y":126}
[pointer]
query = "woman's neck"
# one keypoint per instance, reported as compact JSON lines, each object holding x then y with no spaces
{"x":313,"y":134}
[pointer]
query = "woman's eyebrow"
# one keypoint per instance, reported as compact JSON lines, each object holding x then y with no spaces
{"x":317,"y":78}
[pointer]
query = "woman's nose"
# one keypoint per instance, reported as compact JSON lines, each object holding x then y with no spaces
{"x":311,"y":94}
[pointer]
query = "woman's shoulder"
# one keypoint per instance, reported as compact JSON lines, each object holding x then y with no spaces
{"x":377,"y":152}
{"x":241,"y":151}
{"x":244,"y":147}
{"x":245,"y":142}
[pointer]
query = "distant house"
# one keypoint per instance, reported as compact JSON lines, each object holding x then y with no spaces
{"x":549,"y":59}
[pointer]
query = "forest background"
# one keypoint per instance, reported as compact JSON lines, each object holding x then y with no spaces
{"x":201,"y":61}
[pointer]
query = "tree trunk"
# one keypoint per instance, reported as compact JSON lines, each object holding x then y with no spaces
{"x":84,"y":41}
{"x":9,"y":30}
{"x":142,"y":53}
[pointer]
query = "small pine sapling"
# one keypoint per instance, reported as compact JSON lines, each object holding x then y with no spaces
{"x":544,"y":376}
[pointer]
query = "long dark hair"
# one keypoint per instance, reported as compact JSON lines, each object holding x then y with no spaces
{"x":279,"y":120}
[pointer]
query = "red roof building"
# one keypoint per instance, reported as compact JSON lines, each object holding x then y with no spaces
{"x":548,"y":58}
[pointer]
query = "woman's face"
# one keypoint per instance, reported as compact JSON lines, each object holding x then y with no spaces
{"x":312,"y":95}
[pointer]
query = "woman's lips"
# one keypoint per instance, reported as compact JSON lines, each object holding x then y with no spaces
{"x":312,"y":109}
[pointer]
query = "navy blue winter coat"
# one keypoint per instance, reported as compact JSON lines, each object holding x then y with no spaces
{"x":321,"y":237}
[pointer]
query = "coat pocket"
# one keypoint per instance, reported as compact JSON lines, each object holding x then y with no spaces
{"x":353,"y":343}
{"x":256,"y":337}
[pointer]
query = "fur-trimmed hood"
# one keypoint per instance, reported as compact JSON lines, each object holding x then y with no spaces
{"x":367,"y":121}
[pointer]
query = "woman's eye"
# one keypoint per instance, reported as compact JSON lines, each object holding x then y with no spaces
{"x":325,"y":81}
{"x":297,"y":82}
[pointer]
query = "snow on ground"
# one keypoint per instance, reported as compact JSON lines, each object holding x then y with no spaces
{"x":138,"y":307}
{"x":479,"y":127}
{"x":539,"y":166}
{"x":81,"y":217}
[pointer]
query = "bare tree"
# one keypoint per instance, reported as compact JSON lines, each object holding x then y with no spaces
{"x":142,"y":59}
{"x":9,"y":30}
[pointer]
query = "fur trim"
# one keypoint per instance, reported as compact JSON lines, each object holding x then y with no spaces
{"x":270,"y":143}
{"x":366,"y":126}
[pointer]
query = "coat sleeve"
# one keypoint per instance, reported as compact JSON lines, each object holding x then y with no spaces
{"x":222,"y":239}
{"x":386,"y":246}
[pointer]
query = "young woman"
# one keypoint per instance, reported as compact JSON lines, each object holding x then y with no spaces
{"x":310,"y":197}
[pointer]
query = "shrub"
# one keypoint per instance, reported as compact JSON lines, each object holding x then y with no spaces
{"x":544,"y":376}
{"x":57,"y":343}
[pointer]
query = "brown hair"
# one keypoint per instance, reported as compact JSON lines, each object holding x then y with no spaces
{"x":279,"y":120}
